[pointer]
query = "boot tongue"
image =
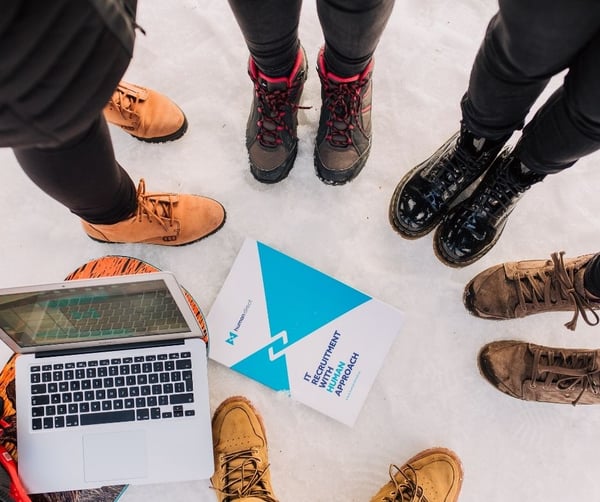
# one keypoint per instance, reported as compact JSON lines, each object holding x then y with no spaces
{"x":271,"y":85}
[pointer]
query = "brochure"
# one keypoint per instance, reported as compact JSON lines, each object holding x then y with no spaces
{"x":300,"y":331}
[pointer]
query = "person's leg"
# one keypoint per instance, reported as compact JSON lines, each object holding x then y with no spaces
{"x":526,"y":43}
{"x":352,"y":30}
{"x":51,"y":115}
{"x":591,"y":278}
{"x":277,"y":68}
{"x":83,"y":175}
{"x":270,"y":29}
{"x":565,"y":128}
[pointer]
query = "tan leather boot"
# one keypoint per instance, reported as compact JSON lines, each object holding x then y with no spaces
{"x":169,"y":219}
{"x":240,"y":450}
{"x":433,"y":475}
{"x":517,"y":289}
{"x":145,"y":114}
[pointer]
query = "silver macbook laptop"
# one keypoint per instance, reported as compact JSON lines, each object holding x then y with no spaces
{"x":111,"y":383}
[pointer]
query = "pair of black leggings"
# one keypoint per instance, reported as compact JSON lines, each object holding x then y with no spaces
{"x":527,"y":43}
{"x":83,"y":175}
{"x":351,"y":28}
{"x":64,"y":60}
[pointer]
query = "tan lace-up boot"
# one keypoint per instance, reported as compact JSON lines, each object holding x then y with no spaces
{"x":145,"y":114}
{"x":546,"y":374}
{"x":522,"y":288}
{"x":240,"y":449}
{"x":433,"y":475}
{"x":169,"y":219}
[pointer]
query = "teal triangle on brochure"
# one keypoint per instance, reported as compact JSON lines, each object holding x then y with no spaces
{"x":299,"y":298}
{"x":258,"y":366}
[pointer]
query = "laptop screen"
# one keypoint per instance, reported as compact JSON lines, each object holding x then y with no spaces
{"x":91,"y":313}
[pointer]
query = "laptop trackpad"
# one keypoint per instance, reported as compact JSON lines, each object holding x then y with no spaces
{"x":114,"y":455}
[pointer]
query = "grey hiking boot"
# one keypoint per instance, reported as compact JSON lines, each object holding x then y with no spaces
{"x":518,"y":289}
{"x":271,"y":136}
{"x":545,"y":374}
{"x":344,"y":136}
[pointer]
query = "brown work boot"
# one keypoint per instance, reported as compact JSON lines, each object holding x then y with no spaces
{"x":240,"y":450}
{"x":434,"y":475}
{"x":271,"y":131}
{"x":535,"y":373}
{"x":522,"y":288}
{"x":145,"y":114}
{"x":344,"y":136}
{"x":169,"y":219}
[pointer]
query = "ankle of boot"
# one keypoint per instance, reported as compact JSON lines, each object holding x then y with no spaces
{"x":522,"y":174}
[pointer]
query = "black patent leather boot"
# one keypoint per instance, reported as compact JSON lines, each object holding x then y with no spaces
{"x":472,"y":228}
{"x":428,"y":191}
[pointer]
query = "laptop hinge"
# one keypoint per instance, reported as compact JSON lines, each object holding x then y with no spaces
{"x":109,"y":348}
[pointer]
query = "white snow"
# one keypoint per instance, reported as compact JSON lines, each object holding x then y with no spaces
{"x":429,"y":391}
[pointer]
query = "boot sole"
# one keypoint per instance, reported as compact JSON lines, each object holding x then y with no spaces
{"x":332,"y":177}
{"x":170,"y":245}
{"x":170,"y":137}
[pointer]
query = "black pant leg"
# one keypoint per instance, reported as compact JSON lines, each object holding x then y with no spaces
{"x":270,"y":29}
{"x":527,"y":42}
{"x":591,"y":278}
{"x":567,"y":126}
{"x":352,"y":30}
{"x":83,"y":175}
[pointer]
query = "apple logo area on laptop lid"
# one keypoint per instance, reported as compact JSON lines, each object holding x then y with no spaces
{"x":111,"y":382}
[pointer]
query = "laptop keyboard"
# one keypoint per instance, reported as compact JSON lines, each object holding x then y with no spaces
{"x":121,"y":389}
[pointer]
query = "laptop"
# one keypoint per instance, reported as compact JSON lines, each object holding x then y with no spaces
{"x":111,"y":383}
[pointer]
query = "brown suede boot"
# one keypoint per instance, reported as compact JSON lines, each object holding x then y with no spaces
{"x":536,"y":373}
{"x":169,"y":219}
{"x":433,"y":475}
{"x":145,"y":114}
{"x":522,"y":288}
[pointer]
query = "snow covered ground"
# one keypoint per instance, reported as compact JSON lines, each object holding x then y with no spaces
{"x":429,"y":391}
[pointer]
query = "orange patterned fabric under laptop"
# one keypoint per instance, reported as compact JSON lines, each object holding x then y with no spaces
{"x":101,"y":267}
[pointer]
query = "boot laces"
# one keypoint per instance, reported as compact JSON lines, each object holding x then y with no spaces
{"x":566,"y":371}
{"x":157,"y":206}
{"x":407,"y":490}
{"x":497,"y":196}
{"x":274,"y":105}
{"x":457,"y":168}
{"x":125,"y":101}
{"x":344,"y":102}
{"x":556,"y":285}
{"x":243,"y":476}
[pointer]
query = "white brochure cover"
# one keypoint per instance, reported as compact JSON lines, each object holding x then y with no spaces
{"x":298,"y":330}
